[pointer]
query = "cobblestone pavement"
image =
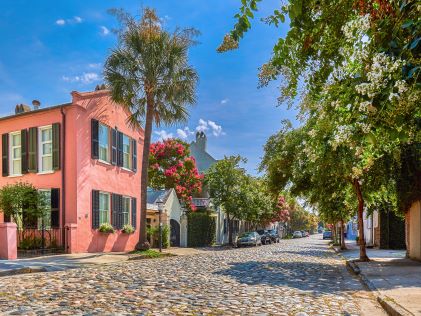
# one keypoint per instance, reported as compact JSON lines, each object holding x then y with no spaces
{"x":293,"y":277}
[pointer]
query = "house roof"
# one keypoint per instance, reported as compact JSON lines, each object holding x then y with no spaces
{"x":203,"y":160}
{"x":153,"y":195}
{"x":35,"y":111}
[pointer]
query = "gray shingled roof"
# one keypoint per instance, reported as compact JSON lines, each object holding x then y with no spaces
{"x":153,"y":195}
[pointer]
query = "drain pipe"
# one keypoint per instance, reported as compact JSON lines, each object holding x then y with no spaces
{"x":63,"y":183}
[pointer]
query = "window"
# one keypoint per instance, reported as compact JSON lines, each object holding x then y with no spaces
{"x":104,"y":143}
{"x":104,"y":208}
{"x":126,"y":152}
{"x":46,"y":149}
{"x":46,"y":219}
{"x":16,"y":154}
{"x":126,"y":210}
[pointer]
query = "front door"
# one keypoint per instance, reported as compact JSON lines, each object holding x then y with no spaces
{"x":175,"y":233}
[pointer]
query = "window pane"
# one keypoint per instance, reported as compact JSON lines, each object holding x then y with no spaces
{"x":17,"y":167}
{"x":16,"y":152}
{"x":47,"y":163}
{"x":103,"y":135}
{"x":47,"y":149}
{"x":103,"y":153}
{"x":46,"y":134}
{"x":16,"y":140}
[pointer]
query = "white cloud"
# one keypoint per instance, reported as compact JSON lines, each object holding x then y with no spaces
{"x":182,"y":134}
{"x":224,"y":101}
{"x":104,"y":31}
{"x":216,"y":129}
{"x":206,"y":125}
{"x":94,"y":65}
{"x":74,"y":20}
{"x":77,"y":19}
{"x":163,"y":135}
{"x":203,"y":126}
{"x":85,"y":78}
{"x":60,"y":22}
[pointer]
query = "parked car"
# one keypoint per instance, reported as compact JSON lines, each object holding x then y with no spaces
{"x":249,"y":239}
{"x":327,"y":234}
{"x":273,"y":233}
{"x":305,"y":233}
{"x":297,"y":234}
{"x":264,"y":236}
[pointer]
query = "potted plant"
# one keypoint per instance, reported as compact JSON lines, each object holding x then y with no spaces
{"x":127,"y":229}
{"x":106,"y":228}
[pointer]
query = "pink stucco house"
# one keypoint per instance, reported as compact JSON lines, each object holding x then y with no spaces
{"x":87,"y":159}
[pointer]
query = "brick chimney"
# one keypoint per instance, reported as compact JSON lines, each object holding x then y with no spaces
{"x":201,"y":140}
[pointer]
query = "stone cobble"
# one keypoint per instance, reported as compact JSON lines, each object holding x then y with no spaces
{"x":294,"y":277}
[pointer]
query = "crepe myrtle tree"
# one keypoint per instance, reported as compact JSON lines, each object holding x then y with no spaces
{"x":172,"y":166}
{"x":149,"y":74}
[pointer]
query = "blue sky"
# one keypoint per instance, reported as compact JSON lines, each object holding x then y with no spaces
{"x":50,"y":48}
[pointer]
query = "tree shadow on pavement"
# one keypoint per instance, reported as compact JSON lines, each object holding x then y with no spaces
{"x":319,"y":278}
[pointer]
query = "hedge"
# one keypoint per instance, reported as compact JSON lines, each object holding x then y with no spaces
{"x":201,"y":229}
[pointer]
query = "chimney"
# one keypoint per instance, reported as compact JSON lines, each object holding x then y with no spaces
{"x":36,"y":104}
{"x":22,"y":108}
{"x":201,"y":140}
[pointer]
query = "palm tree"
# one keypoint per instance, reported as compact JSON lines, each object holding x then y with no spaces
{"x":148,"y":74}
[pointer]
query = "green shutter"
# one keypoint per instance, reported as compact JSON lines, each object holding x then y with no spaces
{"x":24,"y":150}
{"x":134,"y":213}
{"x":5,"y":154}
{"x":95,"y":209}
{"x":55,"y":208}
{"x":134,"y":155}
{"x":94,"y":139}
{"x":32,"y":149}
{"x":56,"y":146}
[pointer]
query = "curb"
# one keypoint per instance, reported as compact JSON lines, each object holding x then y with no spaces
{"x":388,"y":304}
{"x":22,"y":271}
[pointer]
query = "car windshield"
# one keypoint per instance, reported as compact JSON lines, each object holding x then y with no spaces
{"x":246,"y":235}
{"x":260,"y":231}
{"x":272,"y":231}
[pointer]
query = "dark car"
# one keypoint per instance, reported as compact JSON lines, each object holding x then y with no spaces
{"x":265,"y":236}
{"x":327,"y":234}
{"x":273,"y":233}
{"x":249,"y":239}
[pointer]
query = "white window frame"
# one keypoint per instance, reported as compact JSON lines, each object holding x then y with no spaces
{"x":129,"y":213}
{"x":40,"y":149}
{"x":129,"y":167}
{"x":103,"y":211}
{"x":11,"y":154}
{"x":47,"y":217}
{"x":108,"y":159}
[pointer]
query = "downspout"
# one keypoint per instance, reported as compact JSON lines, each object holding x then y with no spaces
{"x":63,"y":183}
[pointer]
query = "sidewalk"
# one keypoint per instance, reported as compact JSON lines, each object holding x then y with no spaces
{"x":396,"y":279}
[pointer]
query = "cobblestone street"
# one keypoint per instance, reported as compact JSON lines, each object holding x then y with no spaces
{"x":299,"y":276}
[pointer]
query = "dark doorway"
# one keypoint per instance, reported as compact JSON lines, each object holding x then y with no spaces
{"x":175,"y":233}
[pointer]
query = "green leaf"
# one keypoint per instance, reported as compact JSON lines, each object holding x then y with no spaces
{"x":415,"y":43}
{"x":407,"y":24}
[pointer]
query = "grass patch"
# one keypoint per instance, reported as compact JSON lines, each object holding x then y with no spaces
{"x":147,"y":254}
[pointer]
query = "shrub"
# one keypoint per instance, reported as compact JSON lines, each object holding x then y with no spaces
{"x":128,"y":229}
{"x":201,"y":229}
{"x":165,"y":236}
{"x":106,"y":228}
{"x":143,"y":246}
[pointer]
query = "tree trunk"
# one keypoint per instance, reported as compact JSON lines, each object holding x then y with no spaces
{"x":363,"y":252}
{"x":144,"y":174}
{"x":229,"y":229}
{"x":343,"y":245}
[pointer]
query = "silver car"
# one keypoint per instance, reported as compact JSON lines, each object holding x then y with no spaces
{"x":249,"y":239}
{"x":297,"y":234}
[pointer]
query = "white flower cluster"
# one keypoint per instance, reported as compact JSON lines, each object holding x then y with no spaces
{"x":367,"y":107}
{"x":342,"y":134}
{"x":357,"y":28}
{"x":379,"y":74}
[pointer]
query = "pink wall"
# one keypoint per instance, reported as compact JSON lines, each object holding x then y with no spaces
{"x":95,"y":175}
{"x":83,"y":174}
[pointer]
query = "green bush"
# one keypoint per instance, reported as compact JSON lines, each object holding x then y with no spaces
{"x":128,"y":229}
{"x":201,"y":229}
{"x":106,"y":228}
{"x":165,"y":236}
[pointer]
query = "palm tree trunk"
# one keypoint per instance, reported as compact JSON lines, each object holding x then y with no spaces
{"x":144,"y":171}
{"x":363,"y":252}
